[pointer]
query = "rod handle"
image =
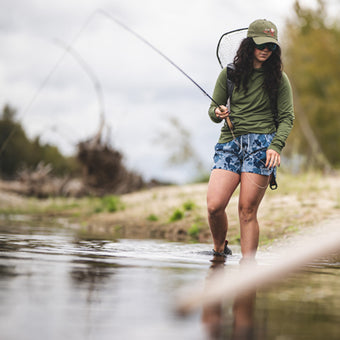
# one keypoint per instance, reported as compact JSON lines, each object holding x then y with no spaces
{"x":227,"y":119}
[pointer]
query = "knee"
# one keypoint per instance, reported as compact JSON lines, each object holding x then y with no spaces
{"x":247,"y":213}
{"x":215,"y":208}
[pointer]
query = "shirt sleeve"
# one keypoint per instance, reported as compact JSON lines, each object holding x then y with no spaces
{"x":285,"y":115}
{"x":220,"y":95}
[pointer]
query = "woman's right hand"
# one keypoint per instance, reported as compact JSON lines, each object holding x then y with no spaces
{"x":222,"y":112}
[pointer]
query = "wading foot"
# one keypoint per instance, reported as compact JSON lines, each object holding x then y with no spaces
{"x":226,"y":251}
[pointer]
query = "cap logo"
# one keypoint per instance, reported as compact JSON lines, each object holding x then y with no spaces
{"x":269,"y":31}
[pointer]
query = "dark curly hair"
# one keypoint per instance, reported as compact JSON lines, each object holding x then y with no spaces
{"x":243,"y":62}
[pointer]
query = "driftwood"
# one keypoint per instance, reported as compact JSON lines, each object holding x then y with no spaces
{"x":40,"y":182}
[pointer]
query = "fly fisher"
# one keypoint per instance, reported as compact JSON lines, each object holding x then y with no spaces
{"x":257,"y":122}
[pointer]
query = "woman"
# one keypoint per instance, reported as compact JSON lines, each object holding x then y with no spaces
{"x":249,"y":152}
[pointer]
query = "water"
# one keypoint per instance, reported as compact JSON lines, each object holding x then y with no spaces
{"x":56,"y":284}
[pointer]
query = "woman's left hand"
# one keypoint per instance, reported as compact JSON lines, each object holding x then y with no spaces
{"x":273,"y":159}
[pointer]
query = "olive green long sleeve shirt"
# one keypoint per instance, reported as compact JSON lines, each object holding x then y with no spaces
{"x":251,"y":112}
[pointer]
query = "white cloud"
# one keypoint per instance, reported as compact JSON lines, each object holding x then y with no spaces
{"x":140,"y":88}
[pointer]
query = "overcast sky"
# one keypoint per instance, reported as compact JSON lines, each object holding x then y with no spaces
{"x":141,"y":91}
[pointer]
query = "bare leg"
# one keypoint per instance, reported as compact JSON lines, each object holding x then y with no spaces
{"x":253,"y":188}
{"x":221,"y":186}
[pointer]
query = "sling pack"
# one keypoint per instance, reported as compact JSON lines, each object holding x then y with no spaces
{"x":273,"y":105}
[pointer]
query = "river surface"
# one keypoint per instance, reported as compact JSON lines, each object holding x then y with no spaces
{"x":56,"y":283}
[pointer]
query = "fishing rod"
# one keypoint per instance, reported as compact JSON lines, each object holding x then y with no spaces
{"x":223,"y":42}
{"x":90,"y":73}
{"x":45,"y":81}
{"x":138,"y":36}
{"x":141,"y":38}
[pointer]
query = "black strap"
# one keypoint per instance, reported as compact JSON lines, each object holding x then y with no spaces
{"x":230,"y":83}
{"x":272,"y":182}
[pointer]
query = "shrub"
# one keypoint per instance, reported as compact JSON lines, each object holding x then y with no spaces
{"x":152,"y":217}
{"x":176,"y":216}
{"x":194,"y":231}
{"x":110,"y":203}
{"x":189,"y":205}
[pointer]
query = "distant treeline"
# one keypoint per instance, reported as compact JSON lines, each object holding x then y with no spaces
{"x":311,"y":46}
{"x":18,"y":152}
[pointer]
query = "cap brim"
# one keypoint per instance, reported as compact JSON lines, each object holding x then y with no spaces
{"x":264,"y":40}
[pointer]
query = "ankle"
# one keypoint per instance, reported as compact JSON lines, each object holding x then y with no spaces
{"x":219,"y":248}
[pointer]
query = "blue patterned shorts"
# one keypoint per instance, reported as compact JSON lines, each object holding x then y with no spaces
{"x":246,"y":153}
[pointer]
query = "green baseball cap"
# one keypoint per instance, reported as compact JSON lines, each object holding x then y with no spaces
{"x":263,"y":31}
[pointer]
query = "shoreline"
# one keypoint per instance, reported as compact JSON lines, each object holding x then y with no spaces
{"x":178,"y":212}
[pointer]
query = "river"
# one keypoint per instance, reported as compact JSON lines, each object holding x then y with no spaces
{"x":56,"y":283}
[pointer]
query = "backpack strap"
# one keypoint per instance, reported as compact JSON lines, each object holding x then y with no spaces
{"x":230,"y":83}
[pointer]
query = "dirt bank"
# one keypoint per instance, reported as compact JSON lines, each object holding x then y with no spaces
{"x":178,"y":213}
{"x":300,"y":202}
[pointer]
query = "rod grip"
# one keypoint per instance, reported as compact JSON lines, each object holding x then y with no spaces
{"x":230,"y":124}
{"x":227,"y":119}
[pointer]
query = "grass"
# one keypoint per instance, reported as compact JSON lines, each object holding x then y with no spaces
{"x":152,"y":218}
{"x":299,"y":202}
{"x":189,"y":205}
{"x":177,"y":215}
{"x":194,"y":231}
{"x":292,"y":229}
{"x":337,"y":202}
{"x":110,"y":203}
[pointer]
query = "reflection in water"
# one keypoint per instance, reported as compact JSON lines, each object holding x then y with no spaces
{"x":212,"y":317}
{"x":305,"y":305}
{"x":215,"y":317}
{"x":90,"y":276}
{"x":55,"y":286}
{"x":244,"y":317}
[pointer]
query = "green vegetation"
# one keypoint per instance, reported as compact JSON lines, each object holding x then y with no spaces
{"x":110,"y":203}
{"x":152,"y":218}
{"x":292,"y":229}
{"x":189,"y":205}
{"x":312,"y":54}
{"x":179,"y":214}
{"x":194,"y":231}
{"x":337,"y":202}
{"x":176,"y":215}
{"x":19,"y":152}
{"x":300,"y":202}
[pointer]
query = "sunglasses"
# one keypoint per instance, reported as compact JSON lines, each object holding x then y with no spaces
{"x":270,"y":46}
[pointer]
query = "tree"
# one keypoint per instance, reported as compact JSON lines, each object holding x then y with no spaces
{"x":13,"y":143}
{"x":312,"y":62}
{"x":18,"y":152}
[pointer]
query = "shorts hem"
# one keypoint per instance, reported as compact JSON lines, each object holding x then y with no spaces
{"x":218,"y":168}
{"x":258,"y":172}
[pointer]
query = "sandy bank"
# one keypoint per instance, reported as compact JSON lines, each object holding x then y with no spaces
{"x":178,"y":213}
